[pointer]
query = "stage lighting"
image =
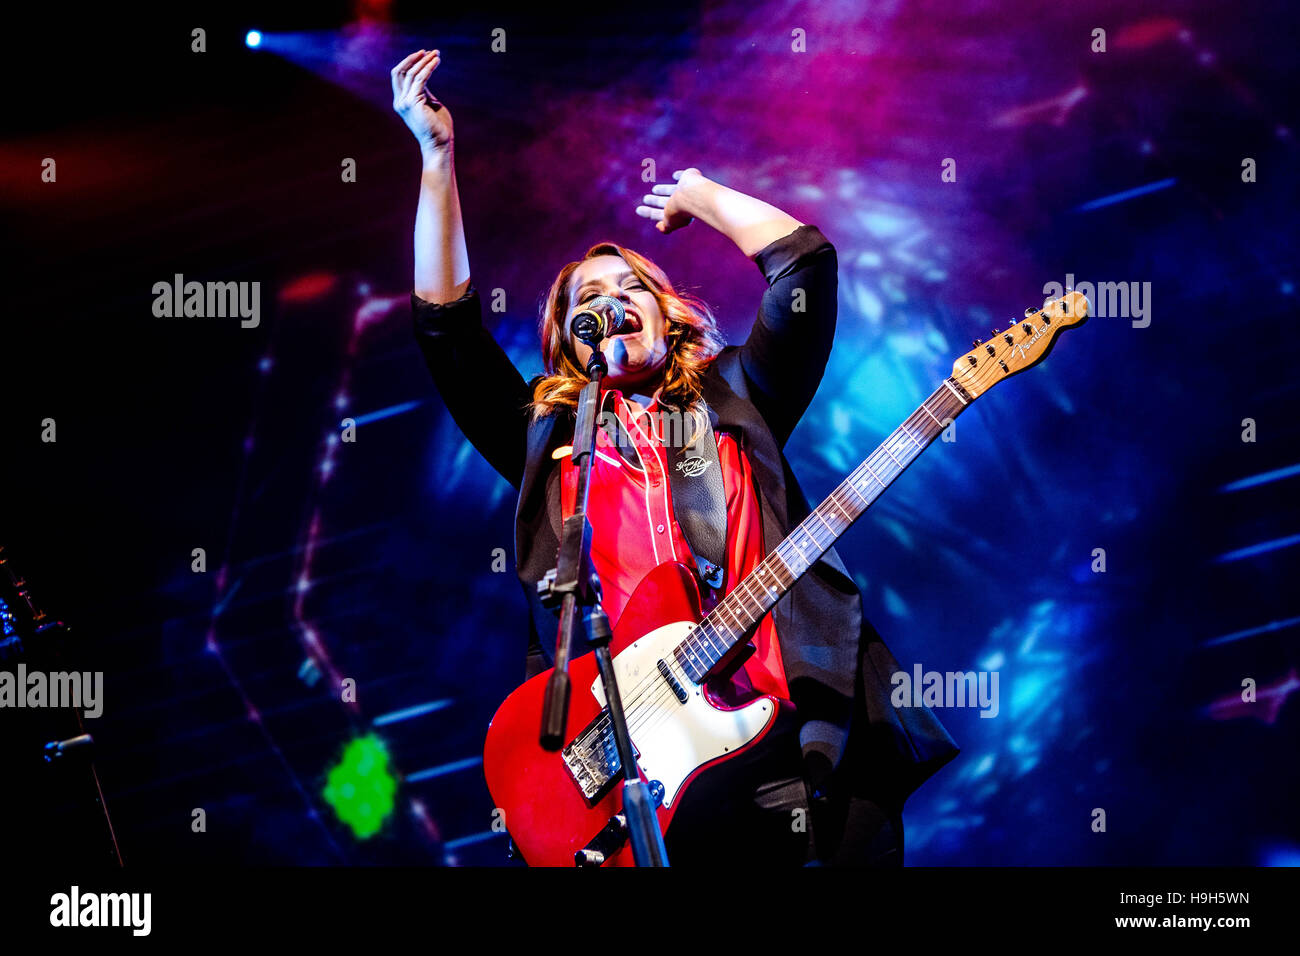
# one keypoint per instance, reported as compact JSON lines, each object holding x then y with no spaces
{"x":253,"y":39}
{"x":360,"y":787}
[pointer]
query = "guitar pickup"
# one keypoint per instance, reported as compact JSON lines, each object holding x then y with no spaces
{"x":673,"y":682}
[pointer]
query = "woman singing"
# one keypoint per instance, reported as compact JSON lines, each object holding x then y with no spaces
{"x":849,"y":758}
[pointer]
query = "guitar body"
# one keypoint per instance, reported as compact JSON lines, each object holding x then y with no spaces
{"x":547,"y":813}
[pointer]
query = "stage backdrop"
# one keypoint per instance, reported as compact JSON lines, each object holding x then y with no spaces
{"x":1114,"y":534}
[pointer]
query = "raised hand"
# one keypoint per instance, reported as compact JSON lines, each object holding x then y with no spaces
{"x":428,"y":119}
{"x":671,"y":205}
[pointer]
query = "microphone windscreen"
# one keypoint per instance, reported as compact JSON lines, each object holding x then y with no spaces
{"x":612,"y":309}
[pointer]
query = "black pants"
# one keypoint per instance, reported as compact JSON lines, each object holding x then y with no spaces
{"x":758,"y":812}
{"x":861,"y":833}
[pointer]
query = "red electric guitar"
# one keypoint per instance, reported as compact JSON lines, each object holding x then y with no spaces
{"x":560,"y":805}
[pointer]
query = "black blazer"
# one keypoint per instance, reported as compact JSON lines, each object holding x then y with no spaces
{"x":836,"y":665}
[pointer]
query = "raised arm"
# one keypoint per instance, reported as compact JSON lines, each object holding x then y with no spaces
{"x":748,"y":222}
{"x":790,"y":343}
{"x":483,"y":391}
{"x":441,"y":260}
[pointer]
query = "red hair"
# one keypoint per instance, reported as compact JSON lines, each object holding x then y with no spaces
{"x":691,"y":332}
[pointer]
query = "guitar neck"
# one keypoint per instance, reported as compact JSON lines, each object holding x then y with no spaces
{"x":735,"y":615}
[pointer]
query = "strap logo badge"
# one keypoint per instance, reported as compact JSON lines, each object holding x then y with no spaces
{"x":692,"y":467}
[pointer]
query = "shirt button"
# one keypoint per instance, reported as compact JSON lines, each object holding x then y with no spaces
{"x":660,"y":529}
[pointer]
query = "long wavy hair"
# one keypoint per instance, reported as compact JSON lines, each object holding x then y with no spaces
{"x":690,"y":329}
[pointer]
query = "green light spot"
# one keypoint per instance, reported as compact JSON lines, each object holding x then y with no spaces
{"x":360,"y":787}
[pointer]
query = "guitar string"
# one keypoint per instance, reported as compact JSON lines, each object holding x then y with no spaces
{"x":807,"y":528}
{"x":654,"y":708}
{"x":642,"y":711}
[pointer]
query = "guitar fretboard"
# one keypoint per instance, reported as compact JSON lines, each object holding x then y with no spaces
{"x":744,"y":606}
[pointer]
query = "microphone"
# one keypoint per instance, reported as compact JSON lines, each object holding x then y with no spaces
{"x":602,"y":318}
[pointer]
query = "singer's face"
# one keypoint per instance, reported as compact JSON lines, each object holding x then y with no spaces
{"x":636,"y":359}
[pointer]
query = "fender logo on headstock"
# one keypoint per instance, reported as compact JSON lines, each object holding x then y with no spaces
{"x":1023,"y":347}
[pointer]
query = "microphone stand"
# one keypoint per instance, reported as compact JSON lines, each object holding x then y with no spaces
{"x":575,"y":582}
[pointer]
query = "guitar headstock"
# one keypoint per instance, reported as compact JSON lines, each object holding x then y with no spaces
{"x":1022,"y":346}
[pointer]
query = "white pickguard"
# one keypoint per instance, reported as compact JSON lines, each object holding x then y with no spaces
{"x":672,"y":738}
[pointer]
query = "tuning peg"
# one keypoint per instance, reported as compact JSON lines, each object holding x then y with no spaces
{"x":1030,"y":311}
{"x":977,"y":343}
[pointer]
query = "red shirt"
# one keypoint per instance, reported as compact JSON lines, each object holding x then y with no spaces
{"x":634,"y":531}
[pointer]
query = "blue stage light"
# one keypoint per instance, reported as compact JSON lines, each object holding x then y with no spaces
{"x":253,"y":39}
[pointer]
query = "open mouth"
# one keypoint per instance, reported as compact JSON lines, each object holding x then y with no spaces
{"x":633,"y":324}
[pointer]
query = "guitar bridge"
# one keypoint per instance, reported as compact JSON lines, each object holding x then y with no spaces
{"x":592,"y":758}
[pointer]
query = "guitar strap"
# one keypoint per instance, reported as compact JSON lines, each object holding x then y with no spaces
{"x":700,"y":502}
{"x":698,"y":497}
